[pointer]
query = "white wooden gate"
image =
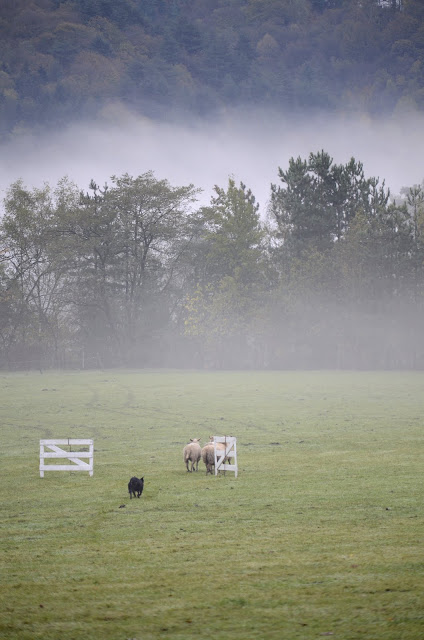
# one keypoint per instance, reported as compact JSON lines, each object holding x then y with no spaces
{"x":230,"y":451}
{"x":73,"y":456}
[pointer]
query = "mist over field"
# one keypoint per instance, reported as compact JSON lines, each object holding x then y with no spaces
{"x":250,"y":146}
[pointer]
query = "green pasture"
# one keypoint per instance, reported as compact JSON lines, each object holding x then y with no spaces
{"x":320,"y":535}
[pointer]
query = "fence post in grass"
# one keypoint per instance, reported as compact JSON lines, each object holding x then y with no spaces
{"x":75,"y":457}
{"x":220,"y":455}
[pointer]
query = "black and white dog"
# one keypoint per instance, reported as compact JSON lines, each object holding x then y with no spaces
{"x":135,"y":486}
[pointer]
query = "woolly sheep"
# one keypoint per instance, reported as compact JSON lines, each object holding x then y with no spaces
{"x":208,"y":457}
{"x":220,"y":446}
{"x":192,"y":453}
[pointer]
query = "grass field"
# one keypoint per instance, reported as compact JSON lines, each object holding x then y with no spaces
{"x":320,"y":535}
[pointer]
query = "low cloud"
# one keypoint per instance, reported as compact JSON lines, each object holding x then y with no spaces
{"x":250,"y":146}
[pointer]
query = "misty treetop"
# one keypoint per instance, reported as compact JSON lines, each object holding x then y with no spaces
{"x":61,"y":60}
{"x":134,"y":273}
{"x":319,"y":200}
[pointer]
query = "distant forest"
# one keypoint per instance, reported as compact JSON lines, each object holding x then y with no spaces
{"x":134,"y":274}
{"x":65,"y":59}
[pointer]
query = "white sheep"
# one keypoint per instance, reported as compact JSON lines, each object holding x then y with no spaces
{"x":192,"y":453}
{"x":220,"y":446}
{"x":208,"y":457}
{"x":208,"y":454}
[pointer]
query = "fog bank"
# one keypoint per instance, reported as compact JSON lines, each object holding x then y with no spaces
{"x":248,"y":146}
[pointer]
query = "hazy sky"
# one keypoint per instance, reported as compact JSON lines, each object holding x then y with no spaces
{"x":248,"y":147}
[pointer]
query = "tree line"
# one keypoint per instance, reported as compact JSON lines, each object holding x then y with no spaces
{"x":135,"y":274}
{"x":61,"y":59}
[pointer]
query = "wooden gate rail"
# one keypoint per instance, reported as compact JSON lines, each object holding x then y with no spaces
{"x":230,"y":451}
{"x":75,"y":457}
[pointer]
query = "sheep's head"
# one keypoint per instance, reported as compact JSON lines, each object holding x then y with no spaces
{"x":195,"y":440}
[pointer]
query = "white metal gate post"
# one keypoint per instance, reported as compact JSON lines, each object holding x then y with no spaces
{"x":73,"y":456}
{"x":220,"y":455}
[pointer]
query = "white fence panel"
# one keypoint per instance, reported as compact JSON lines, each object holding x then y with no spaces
{"x":75,"y":457}
{"x":230,"y":451}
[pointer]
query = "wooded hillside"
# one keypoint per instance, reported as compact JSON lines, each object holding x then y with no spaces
{"x":136,"y":273}
{"x":61,"y":60}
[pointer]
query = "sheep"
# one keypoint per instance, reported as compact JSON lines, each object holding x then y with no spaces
{"x":208,"y":457}
{"x":136,"y":485}
{"x":208,"y":454}
{"x":192,"y":453}
{"x":220,"y":446}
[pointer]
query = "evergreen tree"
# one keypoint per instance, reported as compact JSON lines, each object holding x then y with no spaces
{"x":224,"y":306}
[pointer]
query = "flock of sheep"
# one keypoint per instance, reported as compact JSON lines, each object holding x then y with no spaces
{"x":192,"y":453}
